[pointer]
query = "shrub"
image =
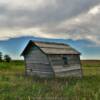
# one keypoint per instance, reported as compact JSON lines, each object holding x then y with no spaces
{"x":7,"y":58}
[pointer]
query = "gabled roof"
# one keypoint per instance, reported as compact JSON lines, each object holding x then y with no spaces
{"x":51,"y":48}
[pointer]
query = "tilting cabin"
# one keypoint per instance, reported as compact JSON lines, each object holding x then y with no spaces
{"x":46,"y":59}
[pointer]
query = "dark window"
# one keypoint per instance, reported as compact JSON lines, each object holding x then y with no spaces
{"x":65,"y":60}
{"x":30,"y":70}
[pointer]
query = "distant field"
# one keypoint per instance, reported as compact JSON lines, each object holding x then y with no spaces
{"x":15,"y":86}
{"x":91,"y":63}
{"x":91,"y":67}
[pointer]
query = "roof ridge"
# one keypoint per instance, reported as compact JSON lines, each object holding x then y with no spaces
{"x":49,"y":42}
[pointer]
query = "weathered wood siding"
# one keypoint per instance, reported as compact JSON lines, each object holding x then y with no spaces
{"x":37,"y":63}
{"x":73,"y":68}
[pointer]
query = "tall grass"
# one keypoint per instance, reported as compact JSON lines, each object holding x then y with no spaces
{"x":15,"y":86}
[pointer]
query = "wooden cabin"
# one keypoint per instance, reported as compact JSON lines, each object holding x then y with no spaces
{"x":46,"y":59}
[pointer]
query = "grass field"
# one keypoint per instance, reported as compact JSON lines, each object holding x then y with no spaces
{"x":15,"y":86}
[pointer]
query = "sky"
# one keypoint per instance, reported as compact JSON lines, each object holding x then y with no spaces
{"x":76,"y":22}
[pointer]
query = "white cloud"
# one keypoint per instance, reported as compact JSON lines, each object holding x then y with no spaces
{"x":95,"y":10}
{"x":83,"y":26}
{"x":50,"y":19}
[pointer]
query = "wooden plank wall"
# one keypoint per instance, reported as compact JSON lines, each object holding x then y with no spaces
{"x":71,"y":69}
{"x":37,"y":63}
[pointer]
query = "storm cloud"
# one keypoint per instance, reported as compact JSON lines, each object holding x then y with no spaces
{"x":66,"y":19}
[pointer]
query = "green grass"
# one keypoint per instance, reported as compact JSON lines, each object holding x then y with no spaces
{"x":15,"y":86}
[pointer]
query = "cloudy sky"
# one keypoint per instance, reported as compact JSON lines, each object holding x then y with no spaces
{"x":75,"y":20}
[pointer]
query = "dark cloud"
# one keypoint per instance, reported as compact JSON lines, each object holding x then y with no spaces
{"x":49,"y":15}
